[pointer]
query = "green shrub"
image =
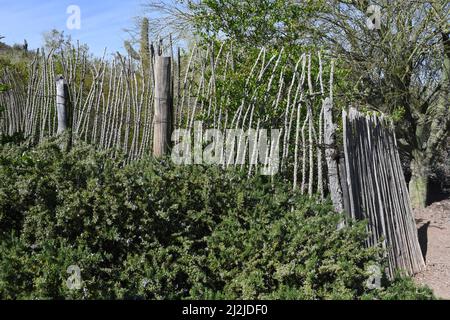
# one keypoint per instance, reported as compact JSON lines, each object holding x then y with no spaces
{"x":153,"y":230}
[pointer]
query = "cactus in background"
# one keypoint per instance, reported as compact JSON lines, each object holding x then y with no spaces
{"x":145,"y":44}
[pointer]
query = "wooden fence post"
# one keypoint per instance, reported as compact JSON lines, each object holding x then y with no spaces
{"x":163,"y":106}
{"x":61,"y":104}
{"x":63,"y":111}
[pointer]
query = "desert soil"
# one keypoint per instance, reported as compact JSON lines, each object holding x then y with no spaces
{"x":433,"y":224}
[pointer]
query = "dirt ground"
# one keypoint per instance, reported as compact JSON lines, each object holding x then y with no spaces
{"x":433,"y":225}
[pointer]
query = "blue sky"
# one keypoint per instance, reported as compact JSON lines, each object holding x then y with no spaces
{"x":102,"y":21}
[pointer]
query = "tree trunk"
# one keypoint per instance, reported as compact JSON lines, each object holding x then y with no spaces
{"x":438,"y":131}
{"x":418,"y":185}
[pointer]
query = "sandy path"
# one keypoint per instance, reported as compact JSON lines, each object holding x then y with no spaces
{"x":433,"y":224}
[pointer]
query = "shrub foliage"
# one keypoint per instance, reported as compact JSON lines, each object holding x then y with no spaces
{"x":153,"y":230}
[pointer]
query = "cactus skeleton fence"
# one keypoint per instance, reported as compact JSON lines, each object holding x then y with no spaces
{"x":120,"y":103}
{"x":112,"y":102}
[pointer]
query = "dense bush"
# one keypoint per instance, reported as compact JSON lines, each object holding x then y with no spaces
{"x":152,"y":230}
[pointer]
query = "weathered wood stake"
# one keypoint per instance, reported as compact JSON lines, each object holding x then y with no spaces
{"x":163,"y":106}
{"x":61,"y":104}
{"x":331,"y":155}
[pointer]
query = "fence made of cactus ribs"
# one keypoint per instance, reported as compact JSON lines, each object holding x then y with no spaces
{"x":13,"y":101}
{"x":376,"y":189}
{"x":112,"y":101}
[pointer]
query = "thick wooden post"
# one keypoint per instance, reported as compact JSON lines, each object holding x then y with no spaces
{"x":61,"y":105}
{"x":331,"y":155}
{"x":163,"y":106}
{"x":63,"y":109}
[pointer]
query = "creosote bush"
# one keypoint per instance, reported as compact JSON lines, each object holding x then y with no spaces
{"x":153,"y":230}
